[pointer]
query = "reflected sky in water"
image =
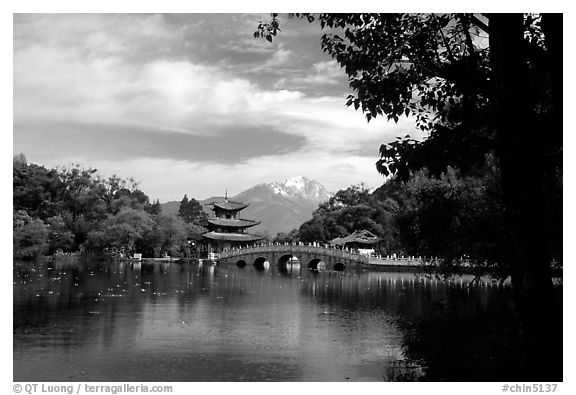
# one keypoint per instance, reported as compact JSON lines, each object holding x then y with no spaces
{"x":98,"y":321}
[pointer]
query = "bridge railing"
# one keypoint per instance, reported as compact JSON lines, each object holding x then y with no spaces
{"x":328,"y":250}
{"x":295,"y":248}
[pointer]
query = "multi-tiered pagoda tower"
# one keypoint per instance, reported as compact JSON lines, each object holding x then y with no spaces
{"x":227,"y":229}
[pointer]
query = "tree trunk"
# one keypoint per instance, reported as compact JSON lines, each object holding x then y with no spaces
{"x":521,"y":159}
{"x":552,"y":27}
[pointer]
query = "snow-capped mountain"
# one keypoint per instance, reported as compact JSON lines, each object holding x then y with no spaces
{"x":280,"y":206}
{"x":301,"y":187}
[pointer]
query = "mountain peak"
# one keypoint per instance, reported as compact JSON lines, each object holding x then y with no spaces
{"x":300,"y":187}
{"x":280,"y":206}
{"x":296,"y":179}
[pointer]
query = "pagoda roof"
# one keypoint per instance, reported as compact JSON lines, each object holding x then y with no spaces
{"x":239,"y":237}
{"x":233,"y":223}
{"x":359,"y":236}
{"x":229,"y":205}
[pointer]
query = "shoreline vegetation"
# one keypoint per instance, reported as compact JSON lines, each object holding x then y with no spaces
{"x":432,"y":268}
{"x":76,"y":212}
{"x":73,"y":214}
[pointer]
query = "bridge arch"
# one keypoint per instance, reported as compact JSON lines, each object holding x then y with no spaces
{"x":241,"y":263}
{"x":339,"y":266}
{"x":288,"y":259}
{"x":288,"y":263}
{"x":310,"y":256}
{"x":261,"y":263}
{"x":316,"y":264}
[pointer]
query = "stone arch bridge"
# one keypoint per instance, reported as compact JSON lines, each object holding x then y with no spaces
{"x":307,"y":256}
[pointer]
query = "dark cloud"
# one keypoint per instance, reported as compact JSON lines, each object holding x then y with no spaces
{"x":227,"y":40}
{"x":104,"y":142}
{"x":79,"y":79}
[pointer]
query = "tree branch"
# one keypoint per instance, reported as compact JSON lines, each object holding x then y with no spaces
{"x":478,"y":22}
{"x":446,"y":44}
{"x":468,"y":38}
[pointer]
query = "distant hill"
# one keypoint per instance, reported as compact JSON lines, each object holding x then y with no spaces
{"x":206,"y":204}
{"x":280,"y":206}
{"x":170,"y":208}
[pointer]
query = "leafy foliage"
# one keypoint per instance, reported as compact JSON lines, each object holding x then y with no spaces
{"x":449,"y":217}
{"x":191,"y":211}
{"x":75,"y":210}
{"x":291,"y":237}
{"x":433,"y":67}
{"x":447,"y":72}
{"x":354,"y":208}
{"x":29,"y":236}
{"x":35,"y":190}
{"x":453,"y":216}
{"x":60,"y":237}
{"x":121,"y":231}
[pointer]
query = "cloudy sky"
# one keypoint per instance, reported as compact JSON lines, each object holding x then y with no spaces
{"x":188,"y":103}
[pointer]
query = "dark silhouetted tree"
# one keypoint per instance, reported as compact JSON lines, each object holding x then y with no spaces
{"x":191,"y":211}
{"x":478,"y":84}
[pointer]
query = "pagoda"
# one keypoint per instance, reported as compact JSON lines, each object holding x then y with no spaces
{"x":227,"y":229}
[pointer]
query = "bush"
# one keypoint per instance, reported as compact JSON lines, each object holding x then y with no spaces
{"x":30,"y":236}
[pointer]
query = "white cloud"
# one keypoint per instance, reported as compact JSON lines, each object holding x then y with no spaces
{"x":330,"y":126}
{"x":61,"y":85}
{"x":248,"y":45}
{"x":279,"y":59}
{"x":93,"y":70}
{"x":167,"y":179}
{"x":322,"y":73}
{"x":94,"y":33}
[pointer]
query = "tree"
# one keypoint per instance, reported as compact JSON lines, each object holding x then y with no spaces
{"x":291,"y":237}
{"x":478,"y":84}
{"x":29,"y":235}
{"x":349,"y":210}
{"x":126,"y":231}
{"x":80,"y":209}
{"x":191,"y":211}
{"x":525,"y":167}
{"x":35,"y":190}
{"x":117,"y":193}
{"x":59,"y":237}
{"x":313,"y":230}
{"x":154,"y":208}
{"x":452,"y":216}
{"x":172,"y":233}
{"x":19,"y":159}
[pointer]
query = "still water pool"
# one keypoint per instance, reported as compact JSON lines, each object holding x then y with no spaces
{"x":101,"y":321}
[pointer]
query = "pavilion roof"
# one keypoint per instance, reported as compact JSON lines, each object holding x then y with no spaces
{"x":229,"y":205}
{"x":359,"y":236}
{"x":232,"y":223}
{"x":238,"y":237}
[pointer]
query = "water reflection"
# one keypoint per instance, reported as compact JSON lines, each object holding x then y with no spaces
{"x":99,"y":321}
